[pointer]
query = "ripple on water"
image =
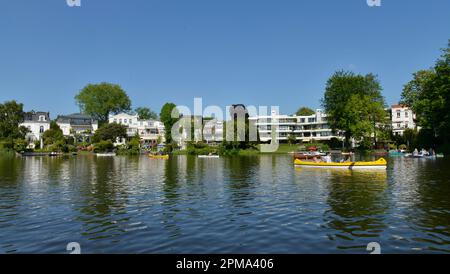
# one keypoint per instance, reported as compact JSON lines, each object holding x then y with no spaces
{"x":238,"y":204}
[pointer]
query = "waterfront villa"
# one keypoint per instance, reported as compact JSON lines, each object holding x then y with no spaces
{"x":77,"y":125}
{"x":402,"y":118}
{"x":37,"y":123}
{"x":149,"y":131}
{"x":302,"y":128}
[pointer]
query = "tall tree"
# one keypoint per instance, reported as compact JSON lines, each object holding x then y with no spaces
{"x":304,"y":111}
{"x":53,"y":135}
{"x":145,"y":113}
{"x":354,"y":103}
{"x":428,"y":94}
{"x":109,"y":132}
{"x":100,"y":100}
{"x":11,"y":115}
{"x":166,"y":117}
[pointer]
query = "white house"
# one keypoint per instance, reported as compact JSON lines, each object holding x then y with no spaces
{"x":77,"y":124}
{"x":402,"y":118}
{"x":149,"y":131}
{"x":37,"y":123}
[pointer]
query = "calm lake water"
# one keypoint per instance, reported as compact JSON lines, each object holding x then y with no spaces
{"x":260,"y":204}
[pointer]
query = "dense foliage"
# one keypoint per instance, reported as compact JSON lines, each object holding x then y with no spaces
{"x":145,"y":113}
{"x":100,"y":100}
{"x":354,"y":104}
{"x":110,"y":132}
{"x":11,"y":115}
{"x":428,"y":94}
{"x":166,"y":118}
{"x":304,"y":111}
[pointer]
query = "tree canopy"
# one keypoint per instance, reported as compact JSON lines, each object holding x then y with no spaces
{"x":166,"y":117}
{"x":53,"y":135}
{"x":354,"y":103}
{"x":304,"y":111}
{"x":428,"y":95}
{"x":146,"y":113}
{"x":11,"y":115}
{"x":100,"y":100}
{"x":109,"y":132}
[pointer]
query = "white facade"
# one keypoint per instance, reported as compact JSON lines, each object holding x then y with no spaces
{"x":303,"y":128}
{"x":402,"y":118}
{"x":77,"y":124}
{"x":37,"y":123}
{"x":148,"y":130}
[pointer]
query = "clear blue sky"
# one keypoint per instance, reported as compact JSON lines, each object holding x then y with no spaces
{"x":260,"y":52}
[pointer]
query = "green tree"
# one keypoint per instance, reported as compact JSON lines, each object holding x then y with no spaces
{"x":109,"y":132}
{"x":354,"y":103}
{"x":291,"y":139}
{"x":304,"y":111}
{"x":145,"y":113}
{"x":428,"y":95}
{"x":11,"y":115}
{"x":100,"y":100}
{"x":166,"y":118}
{"x":54,"y":135}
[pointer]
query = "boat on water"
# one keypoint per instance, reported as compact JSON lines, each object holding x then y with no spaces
{"x":158,"y":156}
{"x":209,"y":156}
{"x":421,"y":156}
{"x":106,"y":154}
{"x":308,"y":155}
{"x":379,"y":164}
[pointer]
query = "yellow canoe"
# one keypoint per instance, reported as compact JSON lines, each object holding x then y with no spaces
{"x":379,"y":164}
{"x":165,"y":157}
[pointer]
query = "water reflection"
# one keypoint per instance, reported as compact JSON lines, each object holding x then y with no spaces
{"x":357,"y":203}
{"x":231,"y":204}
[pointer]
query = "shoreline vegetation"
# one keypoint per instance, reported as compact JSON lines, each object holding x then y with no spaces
{"x":354,"y":105}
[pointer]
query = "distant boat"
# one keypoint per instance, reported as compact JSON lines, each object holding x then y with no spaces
{"x":209,"y":156}
{"x":440,"y":155}
{"x":379,"y":164}
{"x":308,"y":155}
{"x":106,"y":154}
{"x":156,"y":156}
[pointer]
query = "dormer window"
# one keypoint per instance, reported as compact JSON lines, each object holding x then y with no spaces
{"x":41,"y":118}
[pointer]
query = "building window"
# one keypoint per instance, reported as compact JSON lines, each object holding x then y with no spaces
{"x":406,"y":114}
{"x":41,"y":129}
{"x":406,"y":125}
{"x":398,"y":113}
{"x":41,"y":118}
{"x":399,"y":125}
{"x":124,"y":121}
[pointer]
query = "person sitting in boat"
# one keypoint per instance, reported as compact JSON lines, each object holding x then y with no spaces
{"x":416,"y":152}
{"x":424,"y":152}
{"x":327,"y":158}
{"x":346,"y":160}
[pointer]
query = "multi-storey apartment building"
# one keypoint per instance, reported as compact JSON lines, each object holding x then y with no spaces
{"x":149,"y":131}
{"x":402,"y":118}
{"x":303,"y":128}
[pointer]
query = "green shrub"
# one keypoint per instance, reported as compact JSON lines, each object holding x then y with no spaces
{"x":20,"y":145}
{"x":103,"y":146}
